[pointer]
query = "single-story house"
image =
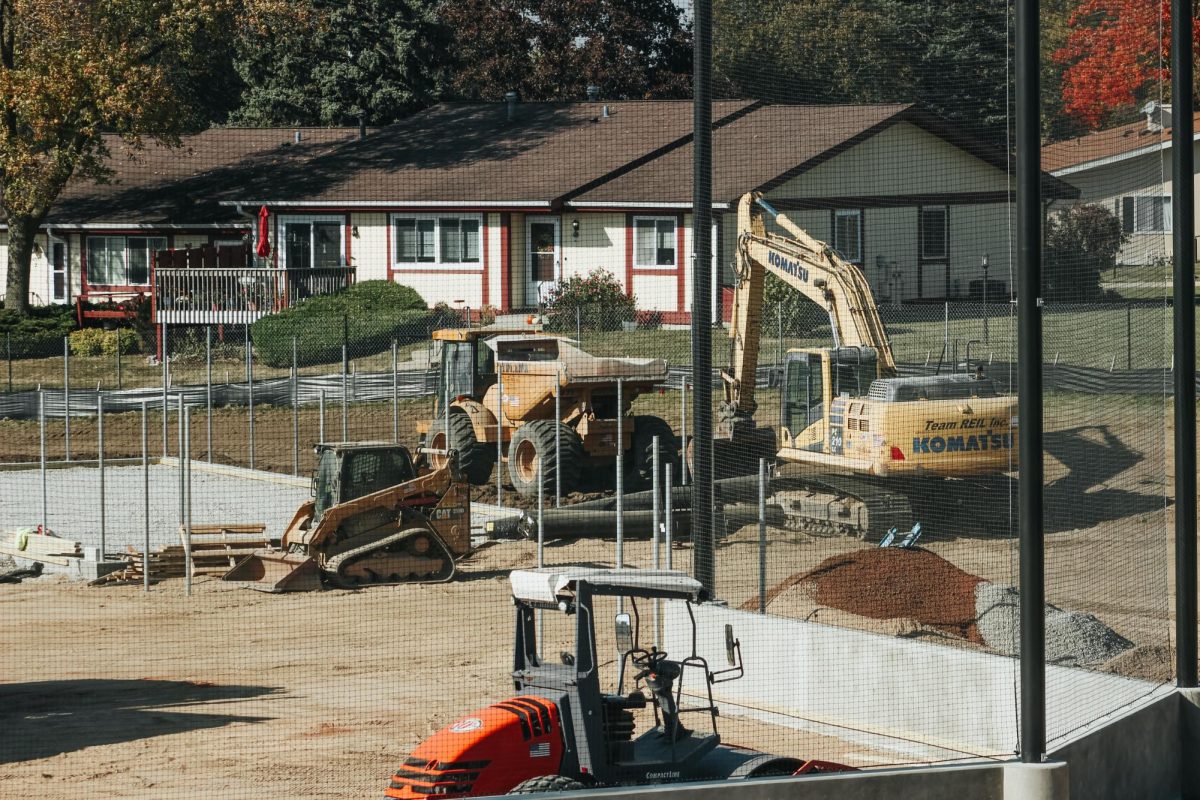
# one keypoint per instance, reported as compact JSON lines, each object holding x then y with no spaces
{"x":484,"y":204}
{"x":99,"y":237}
{"x":1126,"y":169}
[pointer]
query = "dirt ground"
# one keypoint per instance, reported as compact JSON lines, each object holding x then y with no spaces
{"x":107,"y":691}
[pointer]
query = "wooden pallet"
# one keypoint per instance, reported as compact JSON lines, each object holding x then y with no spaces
{"x":218,"y":548}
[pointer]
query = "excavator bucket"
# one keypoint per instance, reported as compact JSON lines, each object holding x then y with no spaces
{"x":276,"y":571}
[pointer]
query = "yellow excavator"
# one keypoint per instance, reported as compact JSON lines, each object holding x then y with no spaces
{"x":866,"y":439}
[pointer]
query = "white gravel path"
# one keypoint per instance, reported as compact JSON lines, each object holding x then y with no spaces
{"x":73,"y":506}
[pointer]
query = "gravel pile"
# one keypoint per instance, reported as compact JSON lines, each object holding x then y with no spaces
{"x":1073,"y":638}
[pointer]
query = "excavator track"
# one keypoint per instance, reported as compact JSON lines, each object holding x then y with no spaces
{"x":413,"y":555}
{"x":833,"y":504}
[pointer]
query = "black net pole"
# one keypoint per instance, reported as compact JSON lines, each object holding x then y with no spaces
{"x":704,"y":567}
{"x":1183,"y":207}
{"x":1029,"y":396}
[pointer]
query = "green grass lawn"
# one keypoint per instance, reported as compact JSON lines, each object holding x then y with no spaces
{"x":1091,"y":338}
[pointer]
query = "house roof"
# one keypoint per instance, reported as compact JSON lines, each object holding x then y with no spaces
{"x":159,"y":184}
{"x":1112,"y":144}
{"x":768,"y":147}
{"x":472,"y":153}
{"x":748,"y":153}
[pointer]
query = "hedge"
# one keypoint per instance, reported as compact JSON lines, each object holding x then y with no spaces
{"x":367,"y":316}
{"x":37,"y":334}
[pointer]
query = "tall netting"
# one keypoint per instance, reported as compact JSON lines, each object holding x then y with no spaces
{"x":388,"y":314}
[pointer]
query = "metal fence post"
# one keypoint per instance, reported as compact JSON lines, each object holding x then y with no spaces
{"x":250,"y":391}
{"x":668,"y":514}
{"x":119,"y":382}
{"x":779,"y":347}
{"x":166,"y":381}
{"x":656,"y":508}
{"x":100,"y":466}
{"x":499,"y":430}
{"x":541,"y":541}
{"x":208,"y":422}
{"x":295,"y":409}
{"x":620,"y":474}
{"x":345,"y":399}
{"x":42,"y":452}
{"x":1129,"y":336}
{"x":185,"y":463}
{"x":395,"y":393}
{"x":683,"y":462}
{"x":179,"y":426}
{"x":578,"y":324}
{"x":145,"y":501}
{"x":762,"y":536}
{"x":66,"y":399}
{"x":321,"y":416}
{"x":557,"y":443}
{"x":8,"y":351}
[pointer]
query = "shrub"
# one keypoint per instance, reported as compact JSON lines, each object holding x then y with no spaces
{"x":99,"y":342}
{"x":1080,"y":242}
{"x":801,"y":316}
{"x":649,"y":320}
{"x":37,"y":334}
{"x":366,"y":316}
{"x":600,"y":299}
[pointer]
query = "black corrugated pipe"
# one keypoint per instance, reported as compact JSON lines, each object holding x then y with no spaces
{"x":1183,"y":204}
{"x":1029,"y":389}
{"x":704,"y":567}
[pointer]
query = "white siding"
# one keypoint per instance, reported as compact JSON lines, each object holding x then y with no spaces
{"x":494,"y":253}
{"x":1147,"y":175}
{"x":599,"y":245}
{"x":518,"y":269}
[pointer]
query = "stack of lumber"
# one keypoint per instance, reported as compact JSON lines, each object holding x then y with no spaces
{"x":44,"y":547}
{"x":215,"y":550}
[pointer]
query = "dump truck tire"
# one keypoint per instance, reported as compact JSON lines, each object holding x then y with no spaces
{"x":532,"y":444}
{"x":641,"y":468}
{"x":547,"y":783}
{"x":474,"y":459}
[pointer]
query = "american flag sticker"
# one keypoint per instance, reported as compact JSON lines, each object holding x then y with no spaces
{"x":541,"y":750}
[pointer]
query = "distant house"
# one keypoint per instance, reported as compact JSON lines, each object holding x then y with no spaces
{"x":490,"y":204}
{"x":99,"y":237}
{"x":1126,"y":169}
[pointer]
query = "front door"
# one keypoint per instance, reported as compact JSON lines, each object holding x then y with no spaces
{"x":59,"y":286}
{"x":544,"y":258}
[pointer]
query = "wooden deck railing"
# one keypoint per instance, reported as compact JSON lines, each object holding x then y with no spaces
{"x":237,"y":295}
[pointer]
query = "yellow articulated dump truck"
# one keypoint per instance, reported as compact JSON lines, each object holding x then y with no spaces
{"x":865,"y":439}
{"x":501,"y":385}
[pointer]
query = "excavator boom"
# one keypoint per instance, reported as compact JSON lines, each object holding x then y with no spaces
{"x":814,"y":270}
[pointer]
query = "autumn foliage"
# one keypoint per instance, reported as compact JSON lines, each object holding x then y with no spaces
{"x":1115,"y":53}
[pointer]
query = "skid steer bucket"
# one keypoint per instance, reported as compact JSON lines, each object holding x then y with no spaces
{"x":276,"y":571}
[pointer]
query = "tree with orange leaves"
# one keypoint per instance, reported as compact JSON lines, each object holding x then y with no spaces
{"x":1116,"y":55}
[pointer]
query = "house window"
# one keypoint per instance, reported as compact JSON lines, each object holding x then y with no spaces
{"x":437,"y":239}
{"x":121,"y":260}
{"x":312,"y":242}
{"x":935,"y":232}
{"x":1145,"y":214}
{"x":847,"y":233}
{"x":654,"y":241}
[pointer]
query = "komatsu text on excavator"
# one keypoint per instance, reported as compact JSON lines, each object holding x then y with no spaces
{"x":870,"y":439}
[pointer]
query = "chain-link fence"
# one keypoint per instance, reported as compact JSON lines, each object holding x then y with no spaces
{"x":486,"y":403}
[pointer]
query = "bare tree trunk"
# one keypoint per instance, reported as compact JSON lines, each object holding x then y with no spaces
{"x":21,"y":233}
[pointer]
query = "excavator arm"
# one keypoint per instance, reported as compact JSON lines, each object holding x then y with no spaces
{"x":813,"y":269}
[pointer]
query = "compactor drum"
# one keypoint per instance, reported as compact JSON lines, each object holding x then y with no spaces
{"x":375,"y":518}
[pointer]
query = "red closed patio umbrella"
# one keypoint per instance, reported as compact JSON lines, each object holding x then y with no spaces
{"x":264,"y":239}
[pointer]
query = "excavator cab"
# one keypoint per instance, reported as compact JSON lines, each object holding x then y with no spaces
{"x":812,"y":378}
{"x":347,"y":472}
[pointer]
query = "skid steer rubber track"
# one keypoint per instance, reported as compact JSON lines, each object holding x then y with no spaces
{"x":413,"y":555}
